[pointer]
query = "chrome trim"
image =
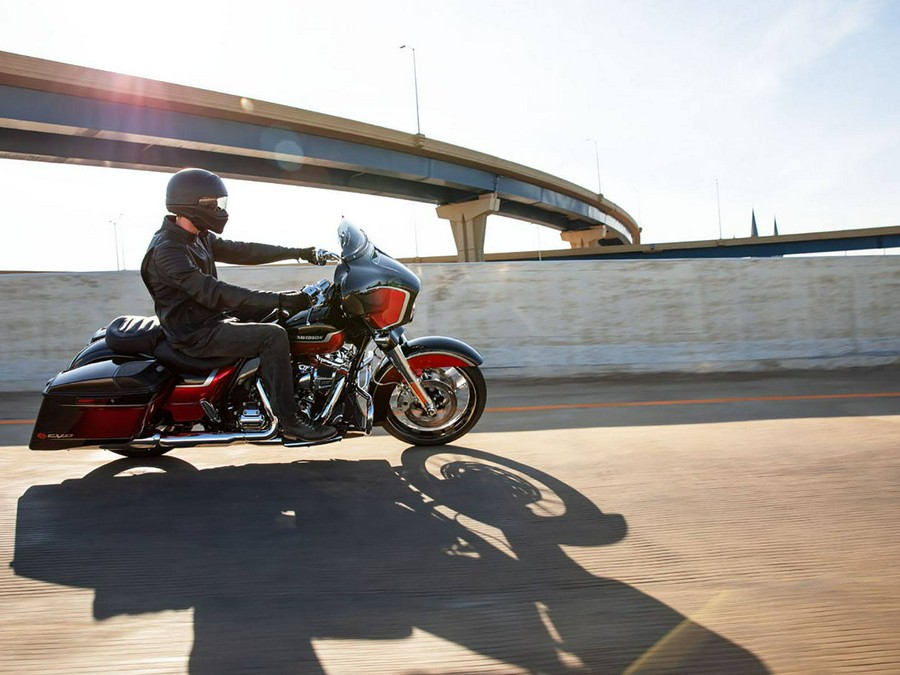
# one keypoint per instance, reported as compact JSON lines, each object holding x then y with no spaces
{"x":206,"y":383}
{"x":215,"y":439}
{"x":339,"y":366}
{"x":332,"y":401}
{"x":398,"y":359}
{"x":369,"y":411}
{"x":364,"y":374}
{"x":429,"y":352}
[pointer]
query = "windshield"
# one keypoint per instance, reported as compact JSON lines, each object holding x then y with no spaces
{"x":354,"y":241}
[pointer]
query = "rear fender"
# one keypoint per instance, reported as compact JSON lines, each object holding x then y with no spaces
{"x":97,"y":350}
{"x":422,"y":353}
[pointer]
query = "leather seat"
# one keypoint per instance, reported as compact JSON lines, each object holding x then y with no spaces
{"x":143,"y":335}
{"x":182,"y":363}
{"x":133,"y":334}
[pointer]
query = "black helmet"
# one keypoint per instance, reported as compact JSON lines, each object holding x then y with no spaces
{"x":199,"y":195}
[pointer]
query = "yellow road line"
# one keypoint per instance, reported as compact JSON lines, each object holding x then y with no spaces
{"x":698,"y":401}
{"x":637,"y":404}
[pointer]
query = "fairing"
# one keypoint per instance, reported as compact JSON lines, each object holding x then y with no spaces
{"x":372,"y":284}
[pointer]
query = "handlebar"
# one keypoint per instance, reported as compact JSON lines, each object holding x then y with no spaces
{"x":318,"y":293}
{"x":323,"y":256}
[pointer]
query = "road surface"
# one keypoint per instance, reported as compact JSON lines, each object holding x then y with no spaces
{"x":720,"y":524}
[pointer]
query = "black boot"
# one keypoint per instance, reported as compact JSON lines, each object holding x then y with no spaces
{"x":295,"y":428}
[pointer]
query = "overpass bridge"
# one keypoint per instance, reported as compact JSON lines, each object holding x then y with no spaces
{"x":56,"y":112}
{"x":835,"y":241}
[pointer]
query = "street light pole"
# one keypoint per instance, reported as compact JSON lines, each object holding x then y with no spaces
{"x":719,"y":208}
{"x":597,"y":156}
{"x":416,"y":84}
{"x":115,"y":225}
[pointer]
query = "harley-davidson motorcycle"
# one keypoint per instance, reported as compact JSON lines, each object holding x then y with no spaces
{"x":130,"y":392}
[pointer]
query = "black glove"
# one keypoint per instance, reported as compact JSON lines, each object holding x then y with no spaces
{"x":309,"y":255}
{"x":293,"y":301}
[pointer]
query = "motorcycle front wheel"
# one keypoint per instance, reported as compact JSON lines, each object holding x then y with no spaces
{"x":459,"y":395}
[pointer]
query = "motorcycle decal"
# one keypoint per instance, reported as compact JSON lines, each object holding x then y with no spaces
{"x":316,"y":340}
{"x":385,"y":307}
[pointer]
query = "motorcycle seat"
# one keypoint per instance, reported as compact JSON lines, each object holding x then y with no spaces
{"x":134,"y":334}
{"x":143,"y":335}
{"x":184,"y":364}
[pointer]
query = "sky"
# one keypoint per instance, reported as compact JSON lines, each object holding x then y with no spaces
{"x":701,"y":111}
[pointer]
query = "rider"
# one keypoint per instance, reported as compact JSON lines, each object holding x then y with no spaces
{"x":200,"y":314}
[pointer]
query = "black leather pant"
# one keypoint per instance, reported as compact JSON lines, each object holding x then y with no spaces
{"x":270,"y":343}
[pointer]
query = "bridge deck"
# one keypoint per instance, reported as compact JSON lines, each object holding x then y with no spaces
{"x":63,"y":113}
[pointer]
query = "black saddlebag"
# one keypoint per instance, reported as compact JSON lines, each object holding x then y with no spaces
{"x":100,"y":403}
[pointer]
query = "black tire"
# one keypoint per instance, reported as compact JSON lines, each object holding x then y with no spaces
{"x":402,"y":424}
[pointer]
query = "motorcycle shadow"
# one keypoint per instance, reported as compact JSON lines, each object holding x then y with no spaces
{"x":455,"y":542}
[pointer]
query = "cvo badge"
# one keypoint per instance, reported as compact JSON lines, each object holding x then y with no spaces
{"x":44,"y":436}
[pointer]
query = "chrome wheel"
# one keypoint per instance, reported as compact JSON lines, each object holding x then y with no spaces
{"x":458,"y":394}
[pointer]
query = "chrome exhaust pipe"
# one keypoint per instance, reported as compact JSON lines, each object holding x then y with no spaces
{"x":332,"y":401}
{"x":218,"y":439}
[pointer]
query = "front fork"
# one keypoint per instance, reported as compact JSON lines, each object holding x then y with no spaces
{"x":391,"y":344}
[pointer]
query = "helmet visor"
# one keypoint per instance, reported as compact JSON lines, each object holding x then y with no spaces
{"x":213,"y":203}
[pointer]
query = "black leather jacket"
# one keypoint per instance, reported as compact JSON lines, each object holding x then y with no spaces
{"x":179,"y":270}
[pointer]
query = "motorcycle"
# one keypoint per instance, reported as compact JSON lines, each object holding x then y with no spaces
{"x":130,"y":392}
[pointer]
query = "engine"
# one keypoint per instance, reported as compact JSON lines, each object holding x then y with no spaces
{"x":252,"y":418}
{"x":320,"y":378}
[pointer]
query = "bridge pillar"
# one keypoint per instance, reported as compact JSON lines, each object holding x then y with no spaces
{"x":585,"y":238}
{"x":469,"y":221}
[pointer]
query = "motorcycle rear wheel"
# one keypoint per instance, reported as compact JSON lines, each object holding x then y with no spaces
{"x":460,"y":395}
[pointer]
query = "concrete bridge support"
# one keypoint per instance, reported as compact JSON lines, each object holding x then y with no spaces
{"x":469,"y":222}
{"x":585,"y":238}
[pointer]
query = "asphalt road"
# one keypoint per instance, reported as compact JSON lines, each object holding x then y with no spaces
{"x":741,"y":524}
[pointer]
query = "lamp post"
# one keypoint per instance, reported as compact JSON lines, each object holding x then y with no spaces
{"x":115,"y":224}
{"x":416,"y":84}
{"x":597,"y":157}
{"x":719,"y":208}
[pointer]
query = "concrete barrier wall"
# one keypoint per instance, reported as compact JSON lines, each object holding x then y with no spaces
{"x":544,"y":318}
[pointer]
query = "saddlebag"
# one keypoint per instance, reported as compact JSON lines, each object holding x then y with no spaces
{"x":100,"y":403}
